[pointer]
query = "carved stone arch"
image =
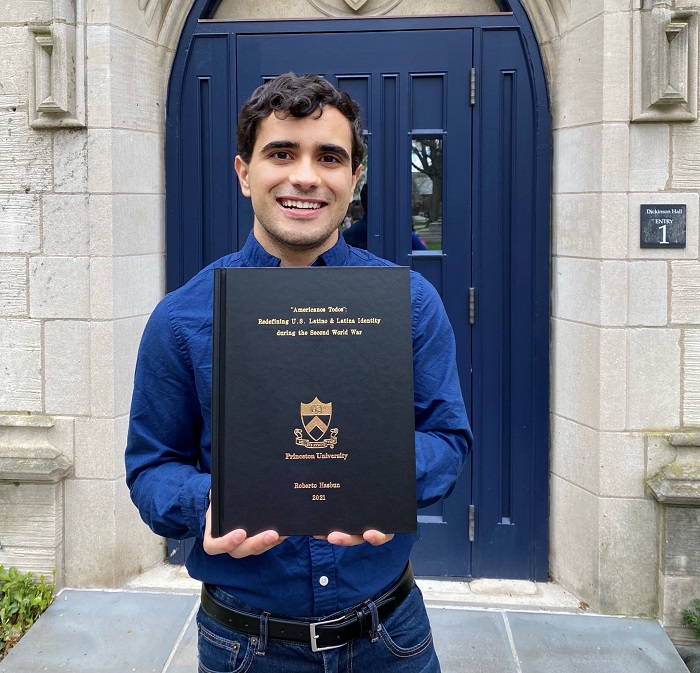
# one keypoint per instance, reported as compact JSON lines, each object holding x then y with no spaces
{"x":548,"y":17}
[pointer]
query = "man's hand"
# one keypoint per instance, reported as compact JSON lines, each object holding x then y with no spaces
{"x":237,"y":543}
{"x":374,"y":537}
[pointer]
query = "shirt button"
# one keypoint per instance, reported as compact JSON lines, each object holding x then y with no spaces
{"x":323,"y":580}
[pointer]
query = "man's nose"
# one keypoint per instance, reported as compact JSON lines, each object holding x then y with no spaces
{"x":304,"y":174}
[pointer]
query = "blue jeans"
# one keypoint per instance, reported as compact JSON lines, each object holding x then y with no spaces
{"x":403,"y":643}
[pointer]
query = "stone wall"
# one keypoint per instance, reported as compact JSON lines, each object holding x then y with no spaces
{"x":82,"y":264}
{"x":81,"y":258}
{"x":624,"y":324}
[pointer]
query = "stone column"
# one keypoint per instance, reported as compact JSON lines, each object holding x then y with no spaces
{"x":33,"y":467}
{"x":676,"y":487}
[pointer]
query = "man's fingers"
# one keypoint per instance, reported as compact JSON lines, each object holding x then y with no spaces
{"x":373,"y":537}
{"x":258,"y":544}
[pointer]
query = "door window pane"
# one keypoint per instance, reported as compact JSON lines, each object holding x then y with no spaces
{"x":426,"y":190}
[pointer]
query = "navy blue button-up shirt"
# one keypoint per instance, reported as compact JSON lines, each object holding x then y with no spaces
{"x":168,"y":454}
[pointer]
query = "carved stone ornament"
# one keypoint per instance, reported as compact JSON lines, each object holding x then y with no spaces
{"x":57,"y":89}
{"x":665,"y":63}
{"x":342,"y":8}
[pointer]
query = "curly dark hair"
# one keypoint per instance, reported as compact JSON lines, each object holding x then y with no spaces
{"x":296,"y":96}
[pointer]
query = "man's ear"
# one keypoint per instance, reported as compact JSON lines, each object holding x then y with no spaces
{"x":241,"y":168}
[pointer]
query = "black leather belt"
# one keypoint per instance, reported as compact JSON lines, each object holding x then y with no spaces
{"x":322,"y":635}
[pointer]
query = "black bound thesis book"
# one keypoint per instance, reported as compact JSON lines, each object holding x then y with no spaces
{"x":312,"y":401}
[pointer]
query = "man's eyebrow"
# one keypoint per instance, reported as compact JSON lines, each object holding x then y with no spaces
{"x":336,"y":149}
{"x":280,"y":145}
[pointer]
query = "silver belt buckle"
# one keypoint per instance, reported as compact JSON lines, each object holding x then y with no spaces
{"x":314,"y":635}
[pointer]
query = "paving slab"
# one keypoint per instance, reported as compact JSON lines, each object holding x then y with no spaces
{"x":561,"y":643}
{"x":471,"y":641}
{"x":103,"y":632}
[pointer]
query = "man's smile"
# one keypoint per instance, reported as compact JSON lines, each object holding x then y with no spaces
{"x":301,"y":205}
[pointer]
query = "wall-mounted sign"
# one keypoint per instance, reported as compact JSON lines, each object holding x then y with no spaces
{"x":662,"y":225}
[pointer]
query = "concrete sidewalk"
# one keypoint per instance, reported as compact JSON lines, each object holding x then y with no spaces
{"x":138,"y":630}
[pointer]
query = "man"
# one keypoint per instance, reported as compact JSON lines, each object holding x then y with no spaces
{"x":264,"y":597}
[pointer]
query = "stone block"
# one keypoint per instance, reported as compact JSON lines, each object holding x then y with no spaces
{"x":126,"y":85}
{"x":615,"y":157}
{"x":99,"y":153}
{"x":13,"y":286}
{"x":693,"y":219}
{"x":622,"y":465}
{"x":590,"y":225}
{"x":574,"y":540}
{"x":653,"y":379}
{"x":67,"y":366}
{"x":70,"y":160}
{"x":576,"y":289}
{"x":102,"y":369}
{"x":691,"y":378}
{"x":139,"y":283}
{"x":90,"y":545}
{"x":25,"y":154}
{"x":126,"y":162}
{"x":647,"y":294}
{"x":685,"y":145}
{"x":32,"y":543}
{"x":99,"y":448}
{"x":675,"y":596}
{"x":591,"y":158}
{"x":650,"y":145}
{"x":617,"y":62}
{"x":685,"y":292}
{"x":19,"y":223}
{"x":20,"y":365}
{"x":575,"y":457}
{"x":138,"y":224}
{"x":101,"y":225}
{"x":576,"y":372}
{"x":580,"y":73}
{"x":628,"y":556}
{"x":614,"y":291}
{"x":612,"y":398}
{"x":101,"y":288}
{"x":59,"y":287}
{"x":681,"y":554}
{"x":13,"y":11}
{"x":577,"y":160}
{"x":15,"y":58}
{"x":66,"y":231}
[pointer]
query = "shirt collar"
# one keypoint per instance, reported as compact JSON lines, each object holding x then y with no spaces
{"x":255,"y":255}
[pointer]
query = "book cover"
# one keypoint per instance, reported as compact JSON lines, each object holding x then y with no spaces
{"x":312,"y":401}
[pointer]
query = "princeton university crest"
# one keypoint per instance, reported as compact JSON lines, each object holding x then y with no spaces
{"x":316,"y":419}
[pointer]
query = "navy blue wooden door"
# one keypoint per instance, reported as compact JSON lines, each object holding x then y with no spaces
{"x":412,"y":88}
{"x":457,"y":130}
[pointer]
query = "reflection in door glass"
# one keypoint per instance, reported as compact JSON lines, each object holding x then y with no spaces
{"x":354,"y":226}
{"x":426,"y":189}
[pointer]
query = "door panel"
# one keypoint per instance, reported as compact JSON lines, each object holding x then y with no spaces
{"x":409,"y":85}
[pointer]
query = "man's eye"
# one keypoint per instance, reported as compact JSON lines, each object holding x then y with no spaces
{"x":281,"y":155}
{"x":329,"y":159}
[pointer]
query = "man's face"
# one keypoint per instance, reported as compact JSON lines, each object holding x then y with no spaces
{"x":300,"y":181}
